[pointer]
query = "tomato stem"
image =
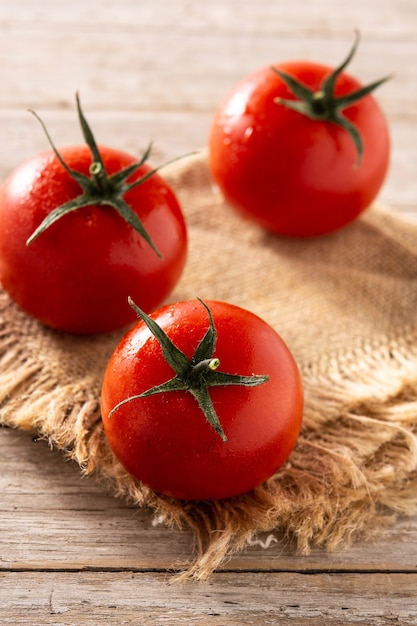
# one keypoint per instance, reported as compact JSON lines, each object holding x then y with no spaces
{"x":318,"y":103}
{"x":99,"y":176}
{"x":323,"y":104}
{"x":99,"y":188}
{"x":194,"y":375}
{"x":204,"y":366}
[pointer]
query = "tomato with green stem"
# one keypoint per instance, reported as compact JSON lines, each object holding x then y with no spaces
{"x":202,"y":400}
{"x":300,"y":148}
{"x":82,"y":228}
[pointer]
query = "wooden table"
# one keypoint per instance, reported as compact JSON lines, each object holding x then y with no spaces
{"x":69,"y":552}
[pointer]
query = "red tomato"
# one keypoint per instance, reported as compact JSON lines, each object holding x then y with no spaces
{"x":165,"y":440}
{"x":290,"y":173}
{"x":77,"y":275}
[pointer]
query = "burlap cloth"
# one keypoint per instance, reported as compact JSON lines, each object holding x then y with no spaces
{"x":346,"y":306}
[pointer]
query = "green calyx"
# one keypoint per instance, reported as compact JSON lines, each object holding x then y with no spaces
{"x":194,"y":375}
{"x":323,"y":105}
{"x":99,"y":188}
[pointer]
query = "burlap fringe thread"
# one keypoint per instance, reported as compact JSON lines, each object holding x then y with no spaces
{"x":353,"y":471}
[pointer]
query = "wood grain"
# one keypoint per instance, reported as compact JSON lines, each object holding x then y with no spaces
{"x":69,"y":552}
{"x":275,"y":599}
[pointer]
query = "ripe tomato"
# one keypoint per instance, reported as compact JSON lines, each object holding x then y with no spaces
{"x":77,"y":274}
{"x":301,"y":149}
{"x":183,"y":427}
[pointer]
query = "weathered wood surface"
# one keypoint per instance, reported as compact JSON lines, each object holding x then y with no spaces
{"x":72,"y":554}
{"x":275,"y":599}
{"x":69,"y":552}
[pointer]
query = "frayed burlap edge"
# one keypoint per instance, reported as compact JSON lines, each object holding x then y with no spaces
{"x":353,"y":471}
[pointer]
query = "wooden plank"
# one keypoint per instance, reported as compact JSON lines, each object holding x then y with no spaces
{"x":265,"y":599}
{"x":51,"y":518}
{"x":129,"y":71}
{"x":245,"y":18}
{"x":129,"y":55}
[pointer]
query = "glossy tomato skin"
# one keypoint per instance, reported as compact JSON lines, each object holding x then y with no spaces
{"x":293,"y":175}
{"x":77,"y":275}
{"x":165,"y":440}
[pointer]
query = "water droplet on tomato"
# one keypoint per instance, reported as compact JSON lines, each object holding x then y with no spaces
{"x":248,"y":132}
{"x":236,"y":105}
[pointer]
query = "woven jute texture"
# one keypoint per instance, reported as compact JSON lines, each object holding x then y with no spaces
{"x":346,"y":306}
